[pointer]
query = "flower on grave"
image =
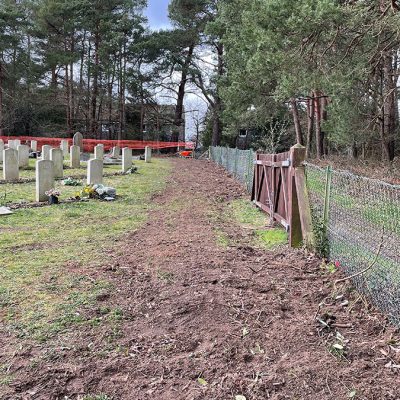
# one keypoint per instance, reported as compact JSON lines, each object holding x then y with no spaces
{"x":53,"y":192}
{"x":337,"y":264}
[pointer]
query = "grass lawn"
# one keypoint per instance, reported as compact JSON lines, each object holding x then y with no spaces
{"x":39,"y":293}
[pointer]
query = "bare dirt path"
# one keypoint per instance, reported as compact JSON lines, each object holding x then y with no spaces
{"x":240,"y":318}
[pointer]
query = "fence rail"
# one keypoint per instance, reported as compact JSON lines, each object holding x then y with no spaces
{"x":356,"y":223}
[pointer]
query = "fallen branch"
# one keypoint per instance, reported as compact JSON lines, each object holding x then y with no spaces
{"x":374,"y":261}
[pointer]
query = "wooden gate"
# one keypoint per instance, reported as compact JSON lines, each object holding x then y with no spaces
{"x":279,"y":188}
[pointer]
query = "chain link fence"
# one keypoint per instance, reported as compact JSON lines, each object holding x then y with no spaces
{"x":240,"y":163}
{"x":361,"y":218}
{"x":356,"y":222}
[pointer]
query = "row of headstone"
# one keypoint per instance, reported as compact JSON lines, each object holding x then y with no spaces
{"x":46,"y":174}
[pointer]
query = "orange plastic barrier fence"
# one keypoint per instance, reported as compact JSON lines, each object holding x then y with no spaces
{"x":89,"y":144}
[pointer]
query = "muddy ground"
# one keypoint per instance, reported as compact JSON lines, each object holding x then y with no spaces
{"x":200,"y":320}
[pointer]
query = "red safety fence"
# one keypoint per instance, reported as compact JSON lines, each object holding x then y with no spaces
{"x":89,"y":144}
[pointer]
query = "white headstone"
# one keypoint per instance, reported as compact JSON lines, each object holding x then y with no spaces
{"x":95,"y":172}
{"x":147,"y":154}
{"x":46,"y":152}
{"x":78,"y":140}
{"x":23,"y":156}
{"x":56,"y":155}
{"x":126,"y":159}
{"x":64,"y":147}
{"x":99,"y":152}
{"x":10,"y":165}
{"x":34,"y":145}
{"x":44,"y":178}
{"x":11,"y":144}
{"x":75,"y":156}
{"x":116,"y":151}
{"x":1,"y":150}
{"x":17,"y":142}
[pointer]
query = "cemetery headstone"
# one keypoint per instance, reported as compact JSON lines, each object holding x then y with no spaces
{"x":23,"y":156}
{"x":44,"y":178}
{"x":95,"y":172}
{"x":64,"y":147}
{"x":78,"y":140}
{"x":75,"y":156}
{"x":99,"y":152}
{"x":34,"y":145}
{"x":116,"y":151}
{"x":147,"y":154}
{"x":56,"y":155}
{"x":1,"y":150}
{"x":46,"y":152}
{"x":10,"y":165}
{"x":126,"y":159}
{"x":11,"y":144}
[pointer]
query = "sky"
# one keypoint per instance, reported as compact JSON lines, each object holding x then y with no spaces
{"x":157,"y":13}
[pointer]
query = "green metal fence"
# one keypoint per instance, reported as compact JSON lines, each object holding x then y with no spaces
{"x":356,"y":222}
{"x":361,"y":219}
{"x":240,"y":163}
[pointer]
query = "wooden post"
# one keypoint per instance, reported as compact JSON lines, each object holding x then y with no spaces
{"x":299,"y":206}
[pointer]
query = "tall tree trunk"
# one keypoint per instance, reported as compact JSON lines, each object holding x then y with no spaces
{"x":310,"y":125}
{"x":71,"y":86}
{"x":1,"y":98}
{"x":217,"y":105}
{"x":296,"y":121}
{"x":318,"y":133}
{"x":178,"y":118}
{"x":95,"y":85}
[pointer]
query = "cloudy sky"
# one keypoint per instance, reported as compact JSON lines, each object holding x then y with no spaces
{"x":157,"y":13}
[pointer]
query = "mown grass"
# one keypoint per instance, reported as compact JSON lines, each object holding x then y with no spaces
{"x":246,"y":214}
{"x":46,"y":253}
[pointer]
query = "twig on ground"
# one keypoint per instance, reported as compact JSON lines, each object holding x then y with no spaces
{"x":373,"y":262}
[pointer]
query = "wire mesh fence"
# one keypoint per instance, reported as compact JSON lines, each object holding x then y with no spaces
{"x":240,"y":163}
{"x":362,"y":232}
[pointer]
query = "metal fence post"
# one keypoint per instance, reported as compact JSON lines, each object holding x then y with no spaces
{"x":327,"y":200}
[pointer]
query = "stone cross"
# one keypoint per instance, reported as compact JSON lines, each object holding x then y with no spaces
{"x":34,"y":145}
{"x":147,"y":154}
{"x":99,"y":152}
{"x":78,"y":140}
{"x":126,"y":159}
{"x":116,"y":151}
{"x":1,"y":150}
{"x":75,"y":157}
{"x":23,"y":156}
{"x":44,"y":178}
{"x":64,"y":147}
{"x":46,"y":152}
{"x":95,"y":172}
{"x":10,"y":165}
{"x":56,"y":155}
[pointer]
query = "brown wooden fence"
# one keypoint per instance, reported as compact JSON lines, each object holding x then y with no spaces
{"x":279,"y":188}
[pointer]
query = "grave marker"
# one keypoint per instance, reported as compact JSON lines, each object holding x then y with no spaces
{"x":78,"y":140}
{"x":56,"y":155}
{"x":75,"y":157}
{"x":64,"y":147}
{"x":34,"y":145}
{"x":116,"y":151}
{"x":44,"y":178}
{"x":1,"y":150}
{"x":126,"y":159}
{"x":99,"y":152}
{"x":23,"y":156}
{"x":95,"y":172}
{"x":147,"y":154}
{"x":46,"y":152}
{"x":10,"y":165}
